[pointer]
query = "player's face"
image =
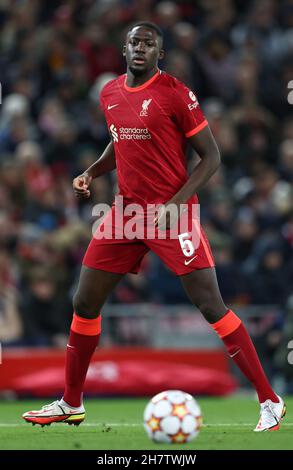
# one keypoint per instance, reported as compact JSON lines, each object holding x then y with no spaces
{"x":142,"y":50}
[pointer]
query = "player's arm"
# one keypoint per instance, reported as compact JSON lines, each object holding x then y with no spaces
{"x":104,"y":164}
{"x":205,"y":145}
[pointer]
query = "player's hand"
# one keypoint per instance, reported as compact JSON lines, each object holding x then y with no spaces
{"x":168,"y":215}
{"x":81,"y":184}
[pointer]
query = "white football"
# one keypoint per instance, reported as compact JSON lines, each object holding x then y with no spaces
{"x":172,"y":416}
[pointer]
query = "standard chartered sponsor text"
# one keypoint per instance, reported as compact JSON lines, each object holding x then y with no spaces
{"x":134,"y":133}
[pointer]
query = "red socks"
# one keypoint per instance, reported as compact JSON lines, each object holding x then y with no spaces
{"x":241,"y":349}
{"x":83,"y":339}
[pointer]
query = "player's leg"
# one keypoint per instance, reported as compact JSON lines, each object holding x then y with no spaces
{"x":105,"y":262}
{"x":189,"y":256}
{"x":206,"y":294}
{"x":93,"y":289}
{"x":202,"y":288}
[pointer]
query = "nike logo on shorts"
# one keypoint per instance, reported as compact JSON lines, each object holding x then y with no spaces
{"x":232,"y":355}
{"x":110,"y":106}
{"x":187,"y":262}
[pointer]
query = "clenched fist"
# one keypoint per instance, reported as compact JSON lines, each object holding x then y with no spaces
{"x":81,"y":186}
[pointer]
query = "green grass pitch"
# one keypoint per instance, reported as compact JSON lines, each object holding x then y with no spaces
{"x":117,"y":424}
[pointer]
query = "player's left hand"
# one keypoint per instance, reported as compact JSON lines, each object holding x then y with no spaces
{"x":168,"y":215}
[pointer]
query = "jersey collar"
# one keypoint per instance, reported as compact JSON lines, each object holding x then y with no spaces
{"x":144,"y":85}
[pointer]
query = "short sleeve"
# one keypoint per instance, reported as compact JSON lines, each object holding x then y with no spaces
{"x":186,"y":110}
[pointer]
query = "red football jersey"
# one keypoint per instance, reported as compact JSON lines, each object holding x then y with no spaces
{"x":149,"y":126}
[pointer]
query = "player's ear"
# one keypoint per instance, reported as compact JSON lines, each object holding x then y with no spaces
{"x":124,"y":50}
{"x":161,"y":54}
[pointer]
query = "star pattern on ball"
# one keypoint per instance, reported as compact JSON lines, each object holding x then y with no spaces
{"x":154,"y":423}
{"x":172,"y":416}
{"x":179,"y":437}
{"x":180,"y":410}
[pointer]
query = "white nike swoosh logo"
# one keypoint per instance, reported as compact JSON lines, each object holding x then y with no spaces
{"x":112,"y":106}
{"x":189,"y":261}
{"x":72,"y":347}
{"x":232,"y":355}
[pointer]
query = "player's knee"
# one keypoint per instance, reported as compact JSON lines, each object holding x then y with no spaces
{"x":85,"y":308}
{"x":211,"y":312}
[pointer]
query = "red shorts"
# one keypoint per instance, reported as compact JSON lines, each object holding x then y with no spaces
{"x":120,"y":254}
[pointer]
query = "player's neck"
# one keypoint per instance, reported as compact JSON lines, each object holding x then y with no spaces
{"x":133,"y":81}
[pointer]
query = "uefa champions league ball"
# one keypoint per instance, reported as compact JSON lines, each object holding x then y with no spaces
{"x":172,"y":416}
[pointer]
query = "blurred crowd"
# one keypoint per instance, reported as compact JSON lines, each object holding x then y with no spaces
{"x":55,"y":57}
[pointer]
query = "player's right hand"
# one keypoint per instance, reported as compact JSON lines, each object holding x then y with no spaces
{"x":81,"y":184}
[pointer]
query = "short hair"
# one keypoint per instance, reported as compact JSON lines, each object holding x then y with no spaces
{"x":150,"y":25}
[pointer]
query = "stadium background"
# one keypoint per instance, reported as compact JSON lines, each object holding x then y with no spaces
{"x":54,"y":58}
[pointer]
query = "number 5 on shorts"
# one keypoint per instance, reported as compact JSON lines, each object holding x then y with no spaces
{"x":186,"y":245}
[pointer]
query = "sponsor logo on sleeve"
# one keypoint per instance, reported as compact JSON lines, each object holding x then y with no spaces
{"x":195,"y":103}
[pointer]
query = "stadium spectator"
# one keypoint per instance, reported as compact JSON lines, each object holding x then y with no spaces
{"x":42,"y":311}
{"x":11,"y":327}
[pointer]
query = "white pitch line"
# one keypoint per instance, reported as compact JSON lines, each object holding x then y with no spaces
{"x":105,"y":425}
{"x":216,"y":425}
{"x":205,"y":425}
